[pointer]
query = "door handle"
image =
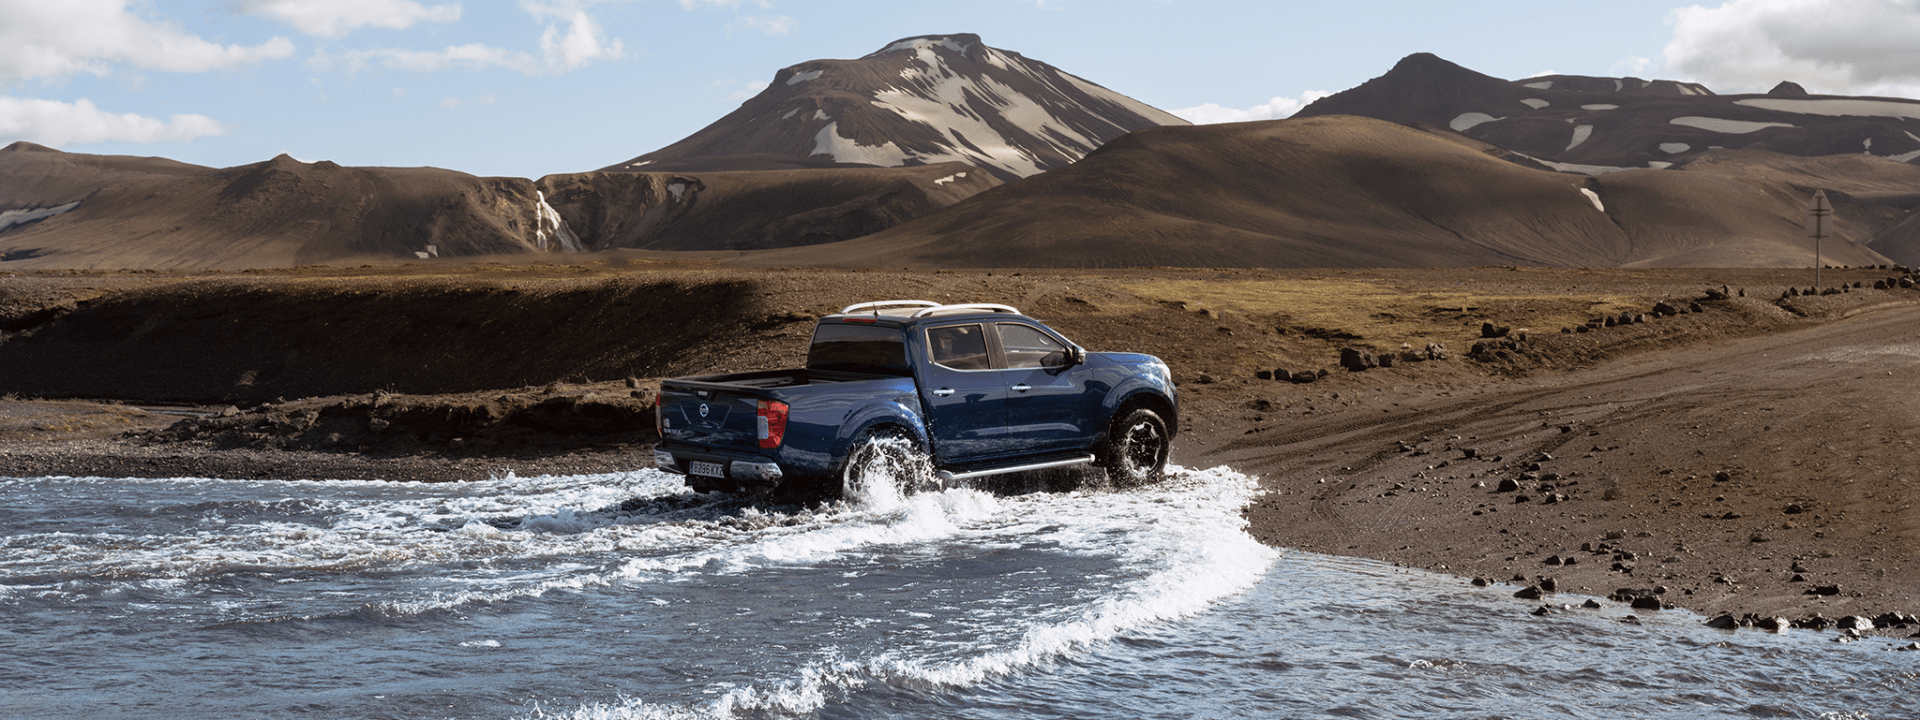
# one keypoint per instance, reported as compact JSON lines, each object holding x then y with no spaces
{"x":943,"y":392}
{"x":1022,"y":387}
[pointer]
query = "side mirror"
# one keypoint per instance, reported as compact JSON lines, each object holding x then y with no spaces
{"x":1076,"y":355}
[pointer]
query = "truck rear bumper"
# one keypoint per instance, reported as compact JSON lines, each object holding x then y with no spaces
{"x":707,"y":471}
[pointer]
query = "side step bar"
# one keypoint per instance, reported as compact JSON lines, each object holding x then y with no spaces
{"x":947,"y":476}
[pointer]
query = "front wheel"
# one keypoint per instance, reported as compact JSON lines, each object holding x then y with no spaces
{"x":1135,"y":452}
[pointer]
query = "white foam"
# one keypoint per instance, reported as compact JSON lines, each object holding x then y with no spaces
{"x":1722,"y":125}
{"x":1535,"y":103}
{"x":1838,"y":107}
{"x":10,"y":218}
{"x":1187,"y":533}
{"x":1468,"y":120}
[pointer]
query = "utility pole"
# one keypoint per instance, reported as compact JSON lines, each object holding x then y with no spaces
{"x":1819,"y":226}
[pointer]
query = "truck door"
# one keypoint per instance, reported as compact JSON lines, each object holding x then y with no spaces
{"x":1050,"y":406}
{"x":966,"y":399}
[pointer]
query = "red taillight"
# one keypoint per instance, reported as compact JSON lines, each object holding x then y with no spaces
{"x":772,"y":423}
{"x":659,"y":423}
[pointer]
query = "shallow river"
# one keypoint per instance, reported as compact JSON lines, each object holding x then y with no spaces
{"x":621,"y":596}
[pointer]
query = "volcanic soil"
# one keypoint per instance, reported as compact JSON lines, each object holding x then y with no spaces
{"x":1749,"y":454}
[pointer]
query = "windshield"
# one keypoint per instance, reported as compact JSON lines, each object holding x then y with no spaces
{"x":859,"y":348}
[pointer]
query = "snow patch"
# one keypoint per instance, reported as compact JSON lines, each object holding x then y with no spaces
{"x":1868,"y":144}
{"x":1722,"y":125}
{"x":1838,"y":107}
{"x":1542,"y":85}
{"x":1619,"y":85}
{"x":1600,"y":106}
{"x":10,"y":218}
{"x":1659,"y":164}
{"x":801,"y":77}
{"x":547,"y":222}
{"x":1536,"y":103}
{"x":1580,"y":135}
{"x":1468,"y":120}
{"x":677,"y":190}
{"x":829,"y":142}
{"x":1674,"y":148}
{"x":1593,"y":197}
{"x":820,"y":115}
{"x":638,"y":164}
{"x":790,"y":113}
{"x":949,"y":178}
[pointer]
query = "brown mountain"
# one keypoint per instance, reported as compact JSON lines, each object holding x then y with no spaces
{"x":753,"y":209}
{"x":918,"y":101}
{"x":1343,"y":191}
{"x":70,"y":210}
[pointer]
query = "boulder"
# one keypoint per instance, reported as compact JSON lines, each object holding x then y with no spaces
{"x":1724,"y":621}
{"x":1357,"y":360}
{"x":1490,"y":330}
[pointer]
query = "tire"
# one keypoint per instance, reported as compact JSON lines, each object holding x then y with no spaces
{"x":883,"y":464}
{"x":1135,"y":451}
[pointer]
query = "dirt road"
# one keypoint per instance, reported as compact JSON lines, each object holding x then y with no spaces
{"x":1772,"y":475}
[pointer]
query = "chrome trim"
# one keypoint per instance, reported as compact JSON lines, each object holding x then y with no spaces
{"x":966,"y":307}
{"x":875,"y":306}
{"x":664,"y":462}
{"x":950,"y":476}
{"x":759,"y":470}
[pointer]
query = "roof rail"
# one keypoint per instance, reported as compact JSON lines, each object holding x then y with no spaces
{"x":875,"y":306}
{"x":966,"y":307}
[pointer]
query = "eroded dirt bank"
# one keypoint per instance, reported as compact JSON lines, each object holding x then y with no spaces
{"x":1716,"y":454}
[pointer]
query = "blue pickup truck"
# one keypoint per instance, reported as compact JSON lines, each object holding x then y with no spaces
{"x":972,"y":390}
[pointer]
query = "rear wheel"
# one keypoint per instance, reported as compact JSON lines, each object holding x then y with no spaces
{"x":886,"y":463}
{"x":1135,"y":452}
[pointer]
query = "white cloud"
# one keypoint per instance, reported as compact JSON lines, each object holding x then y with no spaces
{"x":582,"y":44}
{"x":1851,"y":47}
{"x":747,"y":91}
{"x":767,"y":24}
{"x":58,"y":124}
{"x":45,"y":39}
{"x":336,"y":18}
{"x":454,"y":102}
{"x":1277,"y":108}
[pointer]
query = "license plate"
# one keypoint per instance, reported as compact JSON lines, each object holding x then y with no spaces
{"x":708,"y":469}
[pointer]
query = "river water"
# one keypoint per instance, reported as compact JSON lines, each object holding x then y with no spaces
{"x":623,"y":596}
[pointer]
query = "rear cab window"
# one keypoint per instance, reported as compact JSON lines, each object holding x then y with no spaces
{"x":849,"y":347}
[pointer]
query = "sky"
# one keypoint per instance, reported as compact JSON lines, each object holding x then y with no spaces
{"x":538,"y":87}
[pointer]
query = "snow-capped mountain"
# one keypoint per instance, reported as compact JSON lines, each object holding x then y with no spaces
{"x":917,"y":101}
{"x":1595,"y":125}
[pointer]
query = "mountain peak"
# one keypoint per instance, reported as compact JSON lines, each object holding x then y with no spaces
{"x":1419,"y":87}
{"x":962,"y":43}
{"x":920,"y":100}
{"x":24,"y":146}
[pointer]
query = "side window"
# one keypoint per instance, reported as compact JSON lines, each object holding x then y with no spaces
{"x":961,"y":347}
{"x":1027,"y":347}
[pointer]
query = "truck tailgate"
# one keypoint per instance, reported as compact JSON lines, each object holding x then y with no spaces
{"x":710,"y":417}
